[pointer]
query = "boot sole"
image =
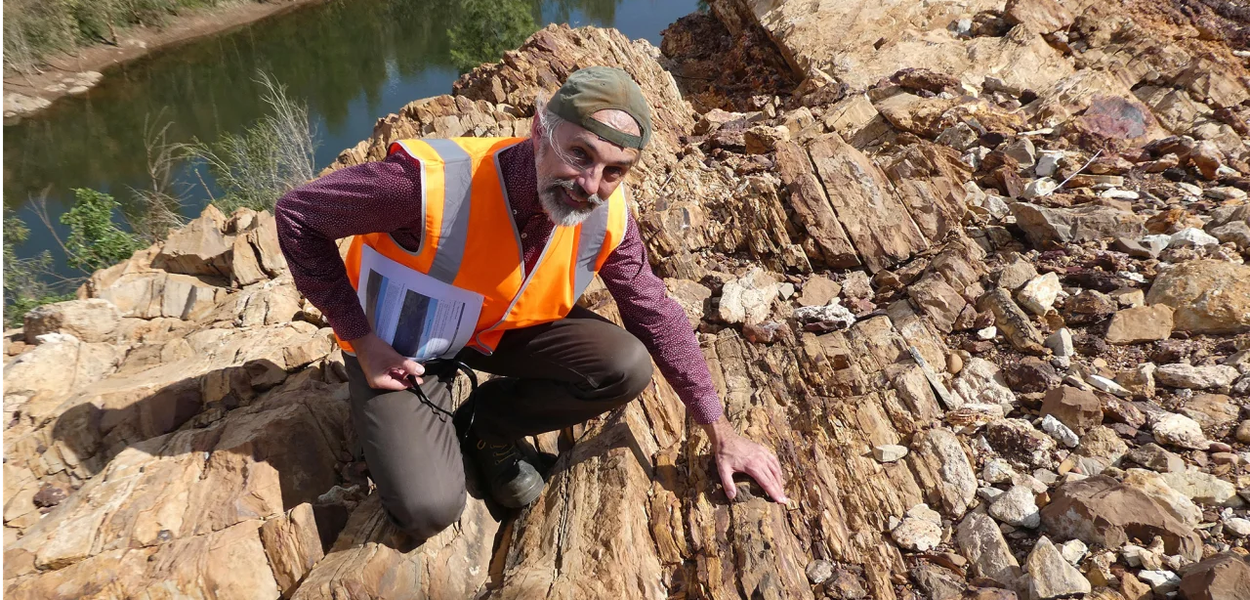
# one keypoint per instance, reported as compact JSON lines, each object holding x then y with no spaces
{"x":525,"y":498}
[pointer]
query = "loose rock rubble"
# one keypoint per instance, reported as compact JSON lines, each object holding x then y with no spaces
{"x":958,"y":271}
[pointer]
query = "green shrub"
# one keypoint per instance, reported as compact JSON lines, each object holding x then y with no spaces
{"x":94,"y":241}
{"x":488,"y":28}
{"x":24,"y":285}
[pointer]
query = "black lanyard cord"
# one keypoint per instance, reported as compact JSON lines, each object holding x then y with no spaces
{"x":420,"y":393}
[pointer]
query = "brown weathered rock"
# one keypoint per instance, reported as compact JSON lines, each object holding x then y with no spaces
{"x":200,"y":248}
{"x":814,"y":36}
{"x":1223,"y":576}
{"x":1140,"y":324}
{"x":292,"y":545}
{"x":1209,"y":296}
{"x":1031,"y":375}
{"x":938,"y":299}
{"x":1100,"y":510}
{"x":875,"y":220}
{"x":812,"y":207}
{"x":1078,"y":409}
{"x":692,"y":297}
{"x":1013,"y":321}
{"x":1042,"y":16}
{"x":1018,"y":440}
{"x":91,"y":320}
{"x":982,"y":542}
{"x":1046,"y":227}
{"x":1215,"y":411}
{"x":818,"y":291}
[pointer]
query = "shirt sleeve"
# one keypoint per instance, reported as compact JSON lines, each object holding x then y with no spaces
{"x":381,"y":197}
{"x":661,"y":324}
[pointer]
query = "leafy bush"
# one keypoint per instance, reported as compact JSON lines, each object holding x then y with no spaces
{"x":24,"y":285}
{"x":269,"y":159}
{"x":488,"y":28}
{"x":94,"y":241}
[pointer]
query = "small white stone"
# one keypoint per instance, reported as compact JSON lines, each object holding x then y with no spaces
{"x":55,"y":338}
{"x":1039,"y":294}
{"x":1060,"y":432}
{"x":989,"y":494}
{"x":1238,"y":526}
{"x":1120,"y":195}
{"x":1189,"y":189}
{"x":922,"y":511}
{"x":785,"y":290}
{"x":1048,"y":163}
{"x":997,"y":470}
{"x":917,"y":534}
{"x":988,"y":333}
{"x":963,"y":27}
{"x":1073,"y":551}
{"x":1179,"y":430}
{"x":1162,"y":582}
{"x":1107,"y":385}
{"x":1192,"y":237}
{"x":1156,"y":243}
{"x":889,"y":452}
{"x":1039,"y":188}
{"x":1017,"y":508}
{"x":1061,"y":343}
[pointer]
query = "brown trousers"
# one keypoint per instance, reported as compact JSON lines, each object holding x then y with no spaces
{"x":551,"y":376}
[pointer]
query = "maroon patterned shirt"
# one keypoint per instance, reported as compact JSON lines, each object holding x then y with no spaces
{"x":384,"y":196}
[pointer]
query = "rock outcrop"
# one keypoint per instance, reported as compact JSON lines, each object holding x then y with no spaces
{"x":945,"y":346}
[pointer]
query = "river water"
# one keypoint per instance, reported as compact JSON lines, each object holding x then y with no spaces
{"x":350,"y":61}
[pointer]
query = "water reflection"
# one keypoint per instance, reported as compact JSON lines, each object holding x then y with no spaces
{"x":350,"y":61}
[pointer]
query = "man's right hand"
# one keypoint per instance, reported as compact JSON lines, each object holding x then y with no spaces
{"x":384,"y":368}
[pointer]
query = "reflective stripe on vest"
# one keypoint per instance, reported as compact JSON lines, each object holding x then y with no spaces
{"x":465,"y":243}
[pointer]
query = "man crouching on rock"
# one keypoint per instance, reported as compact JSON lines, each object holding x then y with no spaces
{"x":525,"y":224}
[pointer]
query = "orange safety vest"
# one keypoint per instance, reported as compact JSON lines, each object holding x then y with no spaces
{"x":471,"y":240}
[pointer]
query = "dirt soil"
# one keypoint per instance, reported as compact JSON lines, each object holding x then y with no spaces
{"x":136,"y":42}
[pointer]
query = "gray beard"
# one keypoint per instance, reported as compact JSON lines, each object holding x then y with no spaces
{"x":560,"y":212}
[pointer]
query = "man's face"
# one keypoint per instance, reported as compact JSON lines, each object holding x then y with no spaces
{"x":578,"y":170}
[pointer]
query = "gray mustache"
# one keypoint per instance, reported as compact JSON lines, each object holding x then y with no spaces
{"x":573,"y":190}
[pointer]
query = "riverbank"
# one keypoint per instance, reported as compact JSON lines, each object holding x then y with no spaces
{"x":66,"y":74}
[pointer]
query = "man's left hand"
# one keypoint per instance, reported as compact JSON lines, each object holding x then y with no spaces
{"x":736,"y":454}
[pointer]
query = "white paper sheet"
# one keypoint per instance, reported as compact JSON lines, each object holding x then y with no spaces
{"x":419,"y":316}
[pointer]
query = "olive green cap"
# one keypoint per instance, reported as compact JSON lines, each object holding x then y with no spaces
{"x":590,"y":90}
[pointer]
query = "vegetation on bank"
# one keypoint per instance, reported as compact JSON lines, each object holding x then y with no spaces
{"x":269,"y":158}
{"x":253,"y":170}
{"x":36,"y":29}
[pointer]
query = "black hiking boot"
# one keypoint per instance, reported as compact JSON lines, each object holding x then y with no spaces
{"x":508,"y":471}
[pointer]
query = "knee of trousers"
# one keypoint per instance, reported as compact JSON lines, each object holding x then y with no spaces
{"x":424,"y":515}
{"x":632,"y":370}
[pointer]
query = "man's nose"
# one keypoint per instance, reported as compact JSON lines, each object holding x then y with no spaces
{"x":589,"y":180}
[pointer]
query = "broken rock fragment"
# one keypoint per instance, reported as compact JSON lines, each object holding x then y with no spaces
{"x":1018,"y":440}
{"x":1140,"y":324}
{"x":1208,"y":296}
{"x":1050,"y":576}
{"x":1101,"y":510}
{"x":982,"y":542}
{"x":1013,"y":321}
{"x":1181,"y":431}
{"x":1047,"y":227}
{"x":1078,"y":409}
